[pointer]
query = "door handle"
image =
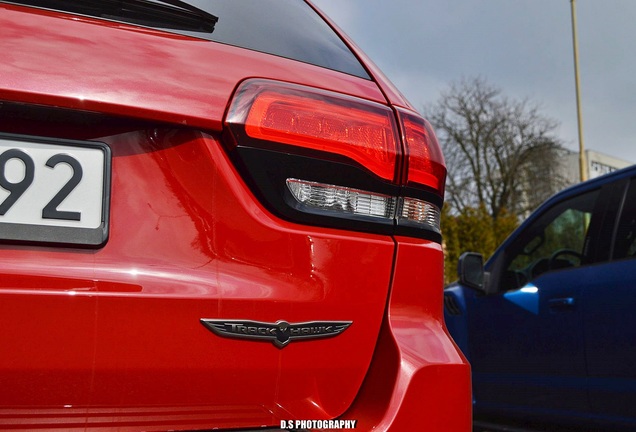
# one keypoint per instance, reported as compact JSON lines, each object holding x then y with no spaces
{"x":564,"y":303}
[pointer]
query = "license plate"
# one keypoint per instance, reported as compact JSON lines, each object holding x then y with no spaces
{"x":54,"y":191}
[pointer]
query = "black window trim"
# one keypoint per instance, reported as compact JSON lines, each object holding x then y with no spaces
{"x":627,"y":184}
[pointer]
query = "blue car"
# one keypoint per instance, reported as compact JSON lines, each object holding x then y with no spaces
{"x":549,"y":322}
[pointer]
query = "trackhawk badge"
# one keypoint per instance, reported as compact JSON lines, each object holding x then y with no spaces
{"x":279,"y":333}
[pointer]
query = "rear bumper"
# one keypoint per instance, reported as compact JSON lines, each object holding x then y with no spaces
{"x":418,"y":379}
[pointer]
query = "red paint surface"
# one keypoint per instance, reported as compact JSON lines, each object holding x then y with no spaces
{"x":111,"y":338}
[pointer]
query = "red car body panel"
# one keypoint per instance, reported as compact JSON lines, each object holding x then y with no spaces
{"x":54,"y":63}
{"x":415,"y":355}
{"x":183,"y":246}
{"x":110,"y":338}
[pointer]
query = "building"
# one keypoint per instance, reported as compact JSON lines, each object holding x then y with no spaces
{"x":597,"y":165}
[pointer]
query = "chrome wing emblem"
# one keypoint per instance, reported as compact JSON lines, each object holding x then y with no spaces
{"x":279,"y":333}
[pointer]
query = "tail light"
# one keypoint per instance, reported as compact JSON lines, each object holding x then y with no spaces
{"x":302,"y":117}
{"x":343,"y":200}
{"x":425,"y":161}
{"x":318,"y":157}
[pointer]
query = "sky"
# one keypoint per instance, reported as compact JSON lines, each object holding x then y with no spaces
{"x":522,"y":47}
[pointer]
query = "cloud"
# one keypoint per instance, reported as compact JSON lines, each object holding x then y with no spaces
{"x":522,"y":46}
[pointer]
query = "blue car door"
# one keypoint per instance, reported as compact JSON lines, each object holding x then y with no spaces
{"x":610,"y":323}
{"x":527,"y":345}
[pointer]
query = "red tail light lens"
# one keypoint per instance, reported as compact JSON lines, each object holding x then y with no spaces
{"x":425,"y":160}
{"x":362,"y":131}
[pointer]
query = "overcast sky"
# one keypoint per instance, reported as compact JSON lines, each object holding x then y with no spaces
{"x":523,"y":47}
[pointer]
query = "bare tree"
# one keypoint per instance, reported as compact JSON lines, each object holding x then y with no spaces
{"x":501,"y":153}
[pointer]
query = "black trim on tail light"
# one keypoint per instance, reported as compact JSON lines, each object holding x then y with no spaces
{"x":267,"y":171}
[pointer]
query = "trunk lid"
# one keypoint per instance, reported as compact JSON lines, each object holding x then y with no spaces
{"x":118,"y":338}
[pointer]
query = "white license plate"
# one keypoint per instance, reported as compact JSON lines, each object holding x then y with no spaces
{"x":54,"y":191}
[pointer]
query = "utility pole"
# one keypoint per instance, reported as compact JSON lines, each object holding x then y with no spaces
{"x":577,"y":83}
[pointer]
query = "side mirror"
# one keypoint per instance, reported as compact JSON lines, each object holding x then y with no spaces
{"x":470,"y":270}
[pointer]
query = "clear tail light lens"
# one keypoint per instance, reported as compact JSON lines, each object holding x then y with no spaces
{"x":342,"y":199}
{"x":419,"y":212}
{"x":353,"y":202}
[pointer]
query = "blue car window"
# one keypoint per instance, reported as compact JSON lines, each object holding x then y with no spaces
{"x":625,"y":240}
{"x":556,"y":240}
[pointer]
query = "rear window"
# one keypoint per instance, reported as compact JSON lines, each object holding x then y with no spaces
{"x":286,"y":28}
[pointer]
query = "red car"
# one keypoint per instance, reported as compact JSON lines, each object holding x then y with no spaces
{"x":215,"y":215}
